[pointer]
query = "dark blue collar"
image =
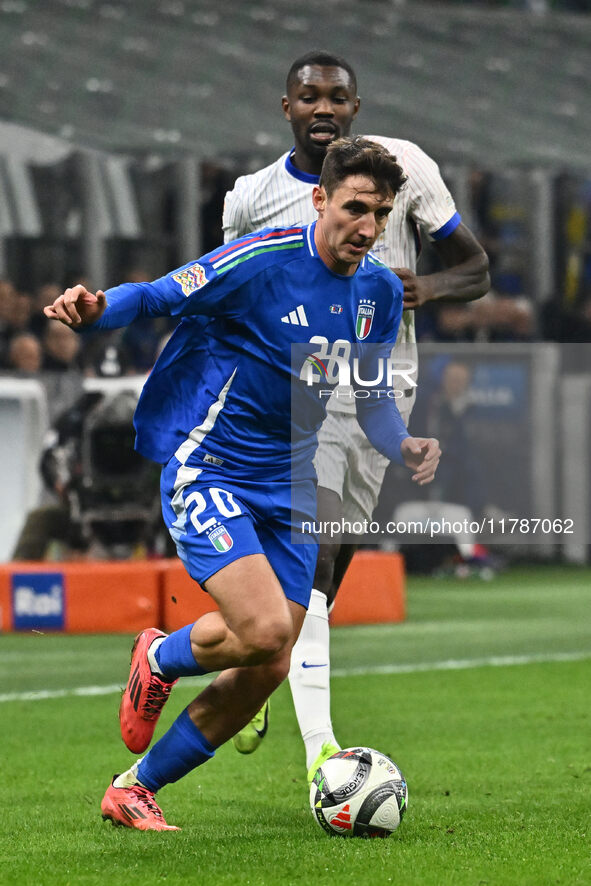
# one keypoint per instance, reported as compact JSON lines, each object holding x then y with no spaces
{"x":297,"y":173}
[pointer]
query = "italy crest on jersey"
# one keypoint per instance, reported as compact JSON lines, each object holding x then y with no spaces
{"x":191,"y":279}
{"x":365,"y":313}
{"x":221,"y":539}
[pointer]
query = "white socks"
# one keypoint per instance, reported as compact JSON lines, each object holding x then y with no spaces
{"x":154,"y":645}
{"x":128,"y":779}
{"x":309,"y":678}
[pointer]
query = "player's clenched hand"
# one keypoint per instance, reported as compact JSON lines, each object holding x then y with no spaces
{"x":77,"y":306}
{"x":417,"y":290}
{"x":421,"y":455}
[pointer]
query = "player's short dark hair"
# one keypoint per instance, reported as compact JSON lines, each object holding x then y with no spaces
{"x":323,"y":59}
{"x":360,"y":156}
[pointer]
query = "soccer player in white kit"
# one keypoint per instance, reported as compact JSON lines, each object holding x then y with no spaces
{"x":321,"y":103}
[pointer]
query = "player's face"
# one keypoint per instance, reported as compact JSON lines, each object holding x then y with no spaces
{"x":350,"y":221}
{"x":320,"y":106}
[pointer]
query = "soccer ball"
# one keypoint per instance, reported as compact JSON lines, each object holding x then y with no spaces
{"x":359,"y":792}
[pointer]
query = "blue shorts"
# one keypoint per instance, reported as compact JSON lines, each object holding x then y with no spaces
{"x":214,"y":521}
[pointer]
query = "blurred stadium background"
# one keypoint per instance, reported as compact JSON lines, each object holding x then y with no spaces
{"x":122,"y":125}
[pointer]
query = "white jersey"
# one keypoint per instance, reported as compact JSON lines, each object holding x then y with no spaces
{"x":281,"y":194}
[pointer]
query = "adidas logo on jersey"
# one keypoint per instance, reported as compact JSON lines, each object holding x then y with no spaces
{"x":297,"y":317}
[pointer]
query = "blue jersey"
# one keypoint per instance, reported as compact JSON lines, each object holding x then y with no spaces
{"x":221,"y":391}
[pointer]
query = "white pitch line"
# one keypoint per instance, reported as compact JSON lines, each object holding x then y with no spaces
{"x":462,"y":664}
{"x":452,"y":664}
{"x":82,"y":691}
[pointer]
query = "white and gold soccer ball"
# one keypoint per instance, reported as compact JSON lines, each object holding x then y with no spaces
{"x":359,"y":792}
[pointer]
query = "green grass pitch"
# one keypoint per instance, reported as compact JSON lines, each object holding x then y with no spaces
{"x":481,"y":697}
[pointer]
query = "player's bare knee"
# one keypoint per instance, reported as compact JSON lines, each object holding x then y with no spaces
{"x":267,"y":639}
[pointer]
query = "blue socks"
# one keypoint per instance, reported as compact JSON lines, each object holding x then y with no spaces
{"x":179,"y":751}
{"x":174,"y":656}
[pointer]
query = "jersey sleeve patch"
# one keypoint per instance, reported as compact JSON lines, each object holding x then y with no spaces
{"x":191,"y":279}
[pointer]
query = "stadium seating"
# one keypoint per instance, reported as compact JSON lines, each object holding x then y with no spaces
{"x":169,"y":75}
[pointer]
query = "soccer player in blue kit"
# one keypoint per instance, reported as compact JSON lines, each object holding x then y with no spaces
{"x":216,"y":413}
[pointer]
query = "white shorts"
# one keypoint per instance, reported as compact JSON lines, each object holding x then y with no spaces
{"x":347,"y":463}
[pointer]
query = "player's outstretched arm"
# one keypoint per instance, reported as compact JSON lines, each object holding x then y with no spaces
{"x":465,"y":277}
{"x":77,"y":307}
{"x":421,"y":455}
